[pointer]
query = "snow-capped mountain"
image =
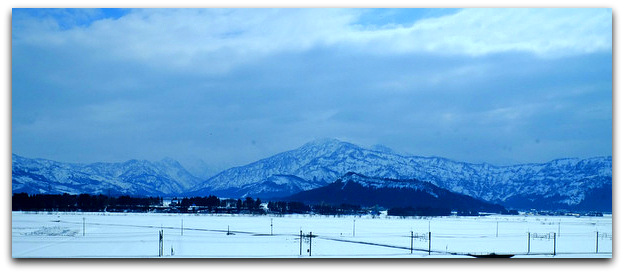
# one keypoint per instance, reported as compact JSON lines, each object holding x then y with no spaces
{"x":556,"y":184}
{"x":353,"y":188}
{"x":199,"y":168}
{"x":134,"y":177}
{"x":564,"y":183}
{"x":278,"y":185}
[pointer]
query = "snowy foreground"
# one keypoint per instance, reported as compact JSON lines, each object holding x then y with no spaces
{"x":136,"y":235}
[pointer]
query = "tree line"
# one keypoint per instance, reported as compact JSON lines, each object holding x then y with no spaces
{"x":209,"y":204}
{"x":81,"y":202}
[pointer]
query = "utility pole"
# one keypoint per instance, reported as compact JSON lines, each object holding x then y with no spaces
{"x":300,"y":242}
{"x":429,"y":242}
{"x":310,"y":250}
{"x":596,"y":241}
{"x":496,"y":229}
{"x":411,"y":242}
{"x":353,"y":227}
{"x":160,"y":243}
{"x":555,"y":244}
{"x":528,"y":243}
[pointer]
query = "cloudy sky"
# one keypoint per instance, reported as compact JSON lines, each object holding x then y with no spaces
{"x":229,"y":87}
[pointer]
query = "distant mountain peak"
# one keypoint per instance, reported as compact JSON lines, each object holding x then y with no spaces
{"x":169,"y":160}
{"x":326,"y":143}
{"x":323,"y":142}
{"x":382,"y":148}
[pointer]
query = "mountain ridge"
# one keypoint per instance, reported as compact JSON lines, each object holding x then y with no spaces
{"x":563,"y":183}
{"x":327,"y":160}
{"x":132,"y":177}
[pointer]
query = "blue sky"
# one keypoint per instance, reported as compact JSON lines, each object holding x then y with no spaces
{"x":229,"y":87}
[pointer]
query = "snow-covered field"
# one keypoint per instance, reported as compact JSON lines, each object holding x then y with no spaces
{"x":133,"y":235}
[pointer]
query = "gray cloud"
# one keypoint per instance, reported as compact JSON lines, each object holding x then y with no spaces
{"x":233,"y":86}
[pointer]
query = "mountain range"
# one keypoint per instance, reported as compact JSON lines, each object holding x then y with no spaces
{"x":559,"y":184}
{"x":134,"y":177}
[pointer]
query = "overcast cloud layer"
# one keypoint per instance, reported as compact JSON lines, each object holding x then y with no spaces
{"x":229,"y":87}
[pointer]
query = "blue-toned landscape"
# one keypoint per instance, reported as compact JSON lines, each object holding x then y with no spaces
{"x":458,"y":118}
